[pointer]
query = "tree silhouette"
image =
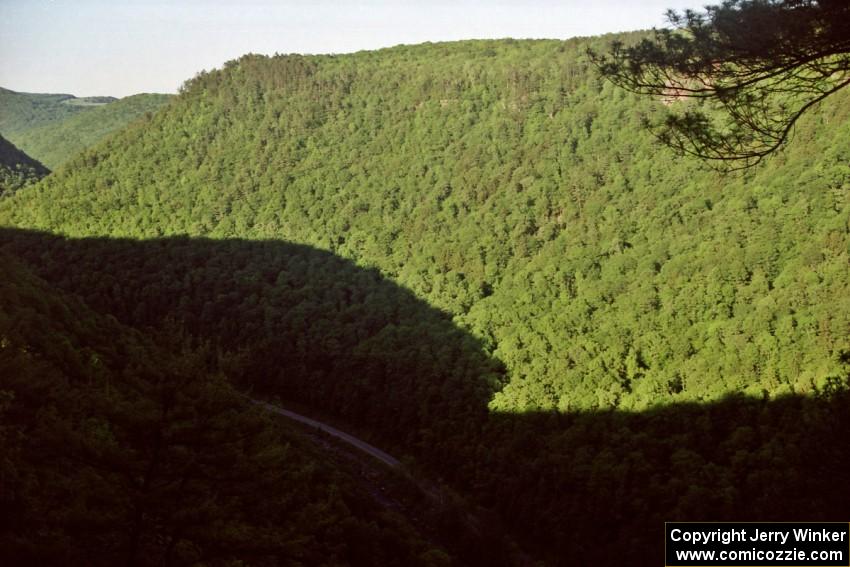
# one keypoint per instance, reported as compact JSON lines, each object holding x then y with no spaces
{"x":753,"y":66}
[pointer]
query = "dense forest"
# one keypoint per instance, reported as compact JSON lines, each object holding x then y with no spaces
{"x":20,"y":112}
{"x":473,"y":253}
{"x":54,"y":128}
{"x":119,"y":449}
{"x":58,"y":141}
{"x":17,"y":169}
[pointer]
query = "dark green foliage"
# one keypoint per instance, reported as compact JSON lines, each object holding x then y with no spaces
{"x":598,"y":335}
{"x":301,"y":323}
{"x":55,"y":142}
{"x":119,"y":449}
{"x":578,"y":487}
{"x":17,"y":169}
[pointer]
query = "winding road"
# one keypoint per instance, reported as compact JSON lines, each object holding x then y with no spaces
{"x":435,"y":496}
{"x":341,"y":435}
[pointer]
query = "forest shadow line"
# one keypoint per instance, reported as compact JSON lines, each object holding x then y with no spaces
{"x":283,"y":319}
{"x":292,"y":321}
{"x":599,"y":485}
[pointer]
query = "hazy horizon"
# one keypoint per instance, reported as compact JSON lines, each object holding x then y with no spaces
{"x":97,"y":47}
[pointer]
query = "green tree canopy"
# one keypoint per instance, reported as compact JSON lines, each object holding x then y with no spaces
{"x":757,"y":66}
{"x":17,"y":169}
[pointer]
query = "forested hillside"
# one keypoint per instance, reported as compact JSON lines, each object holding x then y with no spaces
{"x":474,"y":251}
{"x":57,"y":141}
{"x":54,"y":127}
{"x":504,"y":183}
{"x":119,"y":449}
{"x":20,"y":112}
{"x":17,"y":169}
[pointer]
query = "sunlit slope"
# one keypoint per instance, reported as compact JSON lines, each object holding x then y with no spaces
{"x":503,"y":182}
{"x":57,"y":141}
{"x":20,"y":112}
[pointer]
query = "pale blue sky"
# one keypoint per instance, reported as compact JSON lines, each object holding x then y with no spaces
{"x":121,"y":47}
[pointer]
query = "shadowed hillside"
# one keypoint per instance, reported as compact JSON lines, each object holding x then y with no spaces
{"x":17,"y":169}
{"x":299,"y":322}
{"x":107,"y":323}
{"x":577,"y":487}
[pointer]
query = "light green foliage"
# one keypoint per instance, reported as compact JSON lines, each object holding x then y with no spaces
{"x":504,"y":183}
{"x":57,"y":141}
{"x":645,"y":333}
{"x":20,"y":112}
